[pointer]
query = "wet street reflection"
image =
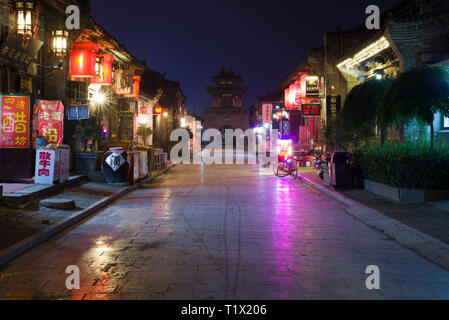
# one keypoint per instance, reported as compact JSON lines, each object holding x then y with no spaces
{"x":222,"y":232}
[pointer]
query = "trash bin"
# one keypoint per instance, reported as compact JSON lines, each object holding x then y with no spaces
{"x":340,"y":170}
{"x":325,"y":170}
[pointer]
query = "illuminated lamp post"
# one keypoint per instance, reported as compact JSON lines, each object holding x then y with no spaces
{"x":25,"y":18}
{"x":59,"y":41}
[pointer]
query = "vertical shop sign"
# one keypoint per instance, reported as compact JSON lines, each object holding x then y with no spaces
{"x":45,"y":166}
{"x":50,"y":121}
{"x":267,"y":113}
{"x":333,"y":104}
{"x":15,"y":121}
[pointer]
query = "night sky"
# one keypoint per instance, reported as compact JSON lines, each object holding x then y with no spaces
{"x":190,"y":40}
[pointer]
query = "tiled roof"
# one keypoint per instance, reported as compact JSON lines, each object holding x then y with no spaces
{"x":152,"y":81}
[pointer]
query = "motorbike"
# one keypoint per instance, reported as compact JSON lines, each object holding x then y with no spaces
{"x":320,"y":169}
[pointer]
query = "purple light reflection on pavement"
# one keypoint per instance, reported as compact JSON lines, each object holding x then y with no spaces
{"x":283,"y":280}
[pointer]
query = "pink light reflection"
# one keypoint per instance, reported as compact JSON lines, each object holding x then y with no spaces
{"x":282,"y":280}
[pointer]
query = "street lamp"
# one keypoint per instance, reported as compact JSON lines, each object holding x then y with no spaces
{"x":98,"y":97}
{"x":26,"y":18}
{"x":379,"y":74}
{"x":59,"y":40}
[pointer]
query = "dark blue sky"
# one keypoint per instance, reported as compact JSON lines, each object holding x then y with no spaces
{"x":190,"y":40}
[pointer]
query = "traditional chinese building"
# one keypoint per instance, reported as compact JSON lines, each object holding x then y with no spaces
{"x":33,"y":68}
{"x":109,"y":85}
{"x":168,"y":110}
{"x":304,"y":99}
{"x":413,"y":33}
{"x":227,"y":111}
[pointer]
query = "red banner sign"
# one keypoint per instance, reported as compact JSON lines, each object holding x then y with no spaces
{"x":311,"y":110}
{"x":15,"y":121}
{"x":50,"y":121}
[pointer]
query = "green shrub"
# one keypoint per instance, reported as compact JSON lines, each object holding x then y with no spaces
{"x":406,"y":165}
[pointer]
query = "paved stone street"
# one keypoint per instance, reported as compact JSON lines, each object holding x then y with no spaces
{"x":223,"y":232}
{"x":17,"y":222}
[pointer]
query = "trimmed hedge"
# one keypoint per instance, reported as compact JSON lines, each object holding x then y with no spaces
{"x":406,"y":165}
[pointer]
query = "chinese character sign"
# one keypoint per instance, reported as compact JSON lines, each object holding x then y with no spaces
{"x":312,"y":86}
{"x":333,"y":106}
{"x":78,"y":112}
{"x":267,"y":113}
{"x":311,"y":110}
{"x":50,"y":121}
{"x":45,"y":166}
{"x":13,"y":51}
{"x":15,"y":121}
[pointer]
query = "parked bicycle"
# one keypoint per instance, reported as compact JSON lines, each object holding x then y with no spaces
{"x":285,"y":168}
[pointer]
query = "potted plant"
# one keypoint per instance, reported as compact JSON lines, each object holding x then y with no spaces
{"x":88,"y":132}
{"x":144,"y":131}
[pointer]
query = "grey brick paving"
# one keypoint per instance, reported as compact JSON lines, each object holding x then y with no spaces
{"x":18,"y":222}
{"x":223,"y":232}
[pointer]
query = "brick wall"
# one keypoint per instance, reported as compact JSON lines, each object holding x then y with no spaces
{"x":417,"y":36}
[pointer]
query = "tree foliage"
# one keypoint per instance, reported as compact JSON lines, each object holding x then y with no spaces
{"x":359,"y":114}
{"x":356,"y":123}
{"x":416,"y":94}
{"x":88,"y":129}
{"x":144,"y":131}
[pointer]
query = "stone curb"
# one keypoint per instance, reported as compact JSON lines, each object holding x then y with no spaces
{"x":32,"y":241}
{"x":38,"y":191}
{"x":423,"y":244}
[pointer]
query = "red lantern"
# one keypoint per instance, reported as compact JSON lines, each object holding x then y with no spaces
{"x":136,"y":85}
{"x":143,"y":110}
{"x":287,"y":98}
{"x":295,"y":93}
{"x":82,"y":60}
{"x":157,"y":110}
{"x":103,"y":69}
{"x":303,"y":85}
{"x":290,"y":95}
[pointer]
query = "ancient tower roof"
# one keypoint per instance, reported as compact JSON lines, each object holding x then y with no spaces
{"x":225,"y":76}
{"x":226,"y":82}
